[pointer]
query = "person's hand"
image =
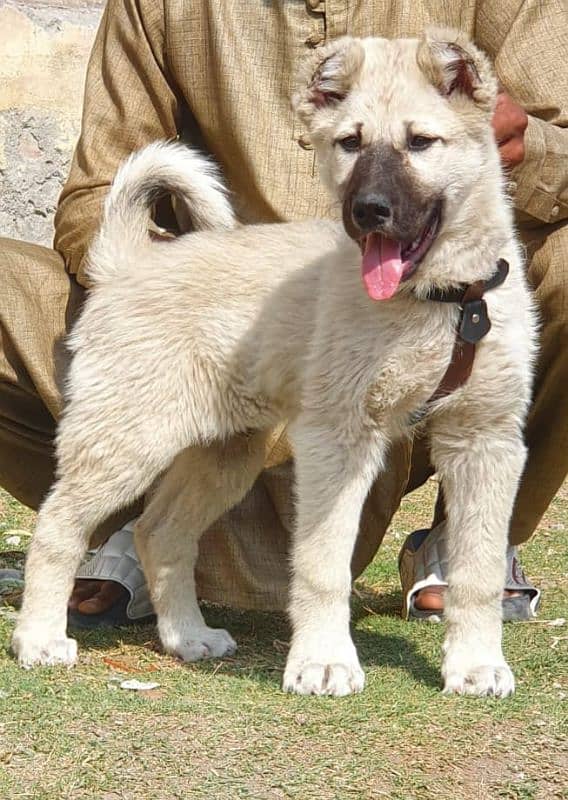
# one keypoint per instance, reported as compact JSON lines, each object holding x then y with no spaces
{"x":510,"y":121}
{"x":95,"y":597}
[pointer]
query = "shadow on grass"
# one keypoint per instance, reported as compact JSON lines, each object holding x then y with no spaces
{"x":263,"y":643}
{"x":366,"y":602}
{"x":388,"y":650}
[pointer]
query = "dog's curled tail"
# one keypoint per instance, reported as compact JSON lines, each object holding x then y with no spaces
{"x":159,"y":169}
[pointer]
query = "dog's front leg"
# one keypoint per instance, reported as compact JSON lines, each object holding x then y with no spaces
{"x":333,"y":477}
{"x":480,"y":471}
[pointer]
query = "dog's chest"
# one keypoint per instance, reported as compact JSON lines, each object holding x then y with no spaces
{"x":380,"y":366}
{"x":402,"y":385}
{"x":410,"y":363}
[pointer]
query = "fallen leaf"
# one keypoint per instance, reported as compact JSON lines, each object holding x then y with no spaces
{"x":123,"y":666}
{"x":120,"y":666}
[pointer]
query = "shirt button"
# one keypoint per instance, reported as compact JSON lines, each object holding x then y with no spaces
{"x":313,"y":5}
{"x":314,"y":39}
{"x":305,"y":143}
{"x":555,"y":211}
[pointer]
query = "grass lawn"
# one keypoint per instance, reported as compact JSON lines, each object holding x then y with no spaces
{"x":223,"y":730}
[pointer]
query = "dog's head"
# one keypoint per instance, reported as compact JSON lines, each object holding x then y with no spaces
{"x":402,"y":129}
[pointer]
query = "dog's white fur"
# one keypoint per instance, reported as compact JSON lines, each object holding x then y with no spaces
{"x":189,"y":351}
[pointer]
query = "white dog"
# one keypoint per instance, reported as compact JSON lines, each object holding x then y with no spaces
{"x":188,"y":352}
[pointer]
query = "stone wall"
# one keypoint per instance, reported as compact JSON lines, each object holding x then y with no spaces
{"x":44,"y":47}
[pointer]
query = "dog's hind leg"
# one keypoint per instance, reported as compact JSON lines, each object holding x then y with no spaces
{"x":201,"y":484}
{"x":480,"y":471}
{"x":102,"y":467}
{"x":334,"y":474}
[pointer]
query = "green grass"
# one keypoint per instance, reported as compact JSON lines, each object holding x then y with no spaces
{"x":223,"y":730}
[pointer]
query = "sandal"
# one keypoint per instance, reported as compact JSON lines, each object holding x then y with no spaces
{"x":116,"y":560}
{"x":423,"y":562}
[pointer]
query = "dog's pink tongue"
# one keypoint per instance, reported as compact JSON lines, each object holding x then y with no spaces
{"x":382,"y":266}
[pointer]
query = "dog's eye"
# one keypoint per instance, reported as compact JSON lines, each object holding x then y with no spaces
{"x":350,"y":144}
{"x":420,"y":142}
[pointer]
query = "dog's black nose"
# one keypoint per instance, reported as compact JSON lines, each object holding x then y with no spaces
{"x":370,"y":211}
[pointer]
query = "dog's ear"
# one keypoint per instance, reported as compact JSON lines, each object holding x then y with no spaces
{"x":456,"y":67}
{"x":327,"y":77}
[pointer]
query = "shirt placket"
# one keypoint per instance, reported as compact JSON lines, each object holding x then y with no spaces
{"x":328,"y":20}
{"x":336,"y":18}
{"x":316,"y":36}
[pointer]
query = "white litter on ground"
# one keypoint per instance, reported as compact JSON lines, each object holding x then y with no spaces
{"x":131,"y":685}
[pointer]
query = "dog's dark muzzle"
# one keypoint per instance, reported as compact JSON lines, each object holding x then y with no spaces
{"x":381,"y":196}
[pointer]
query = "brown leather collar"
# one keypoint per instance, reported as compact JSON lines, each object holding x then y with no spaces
{"x":473,"y":324}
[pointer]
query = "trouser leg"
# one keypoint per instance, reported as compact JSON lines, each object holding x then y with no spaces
{"x":38,"y":304}
{"x":547,"y":427}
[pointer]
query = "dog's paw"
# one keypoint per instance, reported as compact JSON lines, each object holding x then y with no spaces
{"x":201,"y":643}
{"x":482,"y":680}
{"x":337,"y":680}
{"x":33,"y":649}
{"x":309,"y":671}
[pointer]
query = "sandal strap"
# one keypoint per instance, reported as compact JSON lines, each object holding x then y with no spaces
{"x":516,"y":580}
{"x":116,"y":560}
{"x":423,"y":562}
